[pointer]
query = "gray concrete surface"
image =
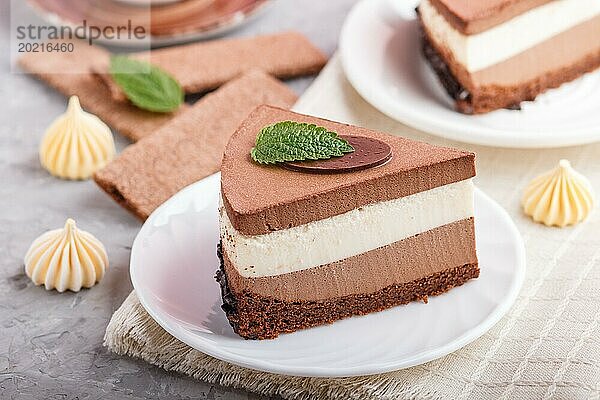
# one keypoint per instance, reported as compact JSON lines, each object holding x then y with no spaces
{"x":51,"y":343}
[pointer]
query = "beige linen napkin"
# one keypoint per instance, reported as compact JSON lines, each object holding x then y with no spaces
{"x":546,"y":347}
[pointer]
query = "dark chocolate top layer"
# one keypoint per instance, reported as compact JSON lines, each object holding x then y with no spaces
{"x":260,"y":199}
{"x":474,"y":16}
{"x":368,"y":153}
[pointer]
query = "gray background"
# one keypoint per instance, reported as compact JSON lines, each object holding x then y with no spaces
{"x":51,"y":343}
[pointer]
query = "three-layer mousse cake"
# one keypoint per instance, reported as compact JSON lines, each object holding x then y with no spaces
{"x":303,"y":246}
{"x":493,"y":54}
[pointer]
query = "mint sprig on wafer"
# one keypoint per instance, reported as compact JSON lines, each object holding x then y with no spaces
{"x":145,"y":85}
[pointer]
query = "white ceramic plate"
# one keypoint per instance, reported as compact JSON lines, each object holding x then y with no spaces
{"x":381,"y":56}
{"x":225,"y":24}
{"x":173,"y":263}
{"x":145,"y":3}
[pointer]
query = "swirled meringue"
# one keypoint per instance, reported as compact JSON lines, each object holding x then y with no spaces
{"x":77,"y":144}
{"x":66,"y":258}
{"x":559,"y":197}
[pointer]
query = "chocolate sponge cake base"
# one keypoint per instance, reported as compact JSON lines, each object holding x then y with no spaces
{"x":258,"y":317}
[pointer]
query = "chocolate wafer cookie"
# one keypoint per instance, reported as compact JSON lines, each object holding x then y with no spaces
{"x":189,"y":147}
{"x":70,"y":74}
{"x":203,"y":66}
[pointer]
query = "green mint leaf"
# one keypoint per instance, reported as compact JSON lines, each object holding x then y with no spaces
{"x":297,"y":141}
{"x":148,"y":87}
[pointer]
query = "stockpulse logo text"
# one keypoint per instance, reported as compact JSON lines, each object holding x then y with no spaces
{"x":92,"y":32}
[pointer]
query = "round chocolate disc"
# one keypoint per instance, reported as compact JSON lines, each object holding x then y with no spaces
{"x":368,"y":153}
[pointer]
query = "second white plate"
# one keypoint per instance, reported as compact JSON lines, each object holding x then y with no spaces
{"x":173,"y":263}
{"x":381,"y":56}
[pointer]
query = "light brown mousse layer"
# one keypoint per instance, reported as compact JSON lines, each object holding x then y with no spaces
{"x":428,"y":253}
{"x":475,"y":16}
{"x":561,"y":51}
{"x":560,"y":59}
{"x":259,"y":199}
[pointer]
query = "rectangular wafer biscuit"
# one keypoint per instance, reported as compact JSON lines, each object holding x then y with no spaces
{"x":70,"y":74}
{"x":203,"y":66}
{"x":189,"y":147}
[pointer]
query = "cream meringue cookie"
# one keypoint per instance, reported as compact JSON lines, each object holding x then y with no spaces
{"x":559,"y":197}
{"x":77,"y":144}
{"x":66,"y":258}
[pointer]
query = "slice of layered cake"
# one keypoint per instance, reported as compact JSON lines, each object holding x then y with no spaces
{"x":385,"y":221}
{"x":497,"y":53}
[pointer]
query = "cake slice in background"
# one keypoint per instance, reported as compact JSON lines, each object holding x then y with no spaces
{"x":495,"y":54}
{"x":300,"y":249}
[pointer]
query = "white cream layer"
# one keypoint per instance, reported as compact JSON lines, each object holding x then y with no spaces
{"x":481,"y":50}
{"x":345,"y":235}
